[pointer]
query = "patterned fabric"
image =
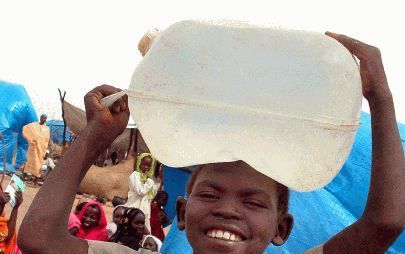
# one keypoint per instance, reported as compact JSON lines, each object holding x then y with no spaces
{"x":6,"y":247}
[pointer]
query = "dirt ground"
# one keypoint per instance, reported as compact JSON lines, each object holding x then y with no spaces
{"x":29,"y":195}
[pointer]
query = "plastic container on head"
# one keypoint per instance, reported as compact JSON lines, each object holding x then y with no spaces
{"x":286,"y":102}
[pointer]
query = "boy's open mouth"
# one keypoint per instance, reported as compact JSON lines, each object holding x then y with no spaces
{"x":224,"y":235}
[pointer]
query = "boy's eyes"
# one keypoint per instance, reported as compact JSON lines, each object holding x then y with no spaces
{"x":208,"y":195}
{"x":249,"y":202}
{"x":254,"y":203}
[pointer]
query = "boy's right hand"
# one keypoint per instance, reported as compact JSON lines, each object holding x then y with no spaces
{"x":106,"y":124}
{"x":4,"y":198}
{"x":374,"y":80}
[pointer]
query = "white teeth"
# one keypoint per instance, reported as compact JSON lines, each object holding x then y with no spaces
{"x":224,"y":235}
{"x":219,"y":234}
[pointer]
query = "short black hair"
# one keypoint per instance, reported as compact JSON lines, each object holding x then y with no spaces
{"x":160,"y":193}
{"x":117,"y":201}
{"x":118,"y":207}
{"x":283,"y":191}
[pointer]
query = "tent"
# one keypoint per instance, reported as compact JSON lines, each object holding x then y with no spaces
{"x":76,"y":121}
{"x":56,"y":128}
{"x":318,"y":215}
{"x":16,"y":110}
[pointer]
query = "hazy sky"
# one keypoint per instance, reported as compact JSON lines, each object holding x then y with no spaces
{"x":76,"y":45}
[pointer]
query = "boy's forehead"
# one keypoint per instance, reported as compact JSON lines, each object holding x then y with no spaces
{"x":235,"y":173}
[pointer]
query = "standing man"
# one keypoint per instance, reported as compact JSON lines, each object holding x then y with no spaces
{"x":37,"y":135}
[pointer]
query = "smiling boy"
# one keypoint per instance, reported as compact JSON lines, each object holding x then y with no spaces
{"x":239,"y":210}
{"x":231,"y":207}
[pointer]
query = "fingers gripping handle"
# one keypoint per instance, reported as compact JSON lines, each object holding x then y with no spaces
{"x":109,"y":100}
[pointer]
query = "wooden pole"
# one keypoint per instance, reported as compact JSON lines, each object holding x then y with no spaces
{"x":136,"y":147}
{"x":131,"y":136}
{"x":62,"y":99}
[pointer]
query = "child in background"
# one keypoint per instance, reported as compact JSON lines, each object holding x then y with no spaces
{"x":118,"y":218}
{"x":131,"y":232}
{"x":142,"y":187}
{"x":151,"y":243}
{"x":74,"y":223}
{"x":93,"y":222}
{"x":8,"y":233}
{"x":158,"y":214}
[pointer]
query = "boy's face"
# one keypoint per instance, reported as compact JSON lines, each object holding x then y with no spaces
{"x":118,"y":216}
{"x":233,"y":209}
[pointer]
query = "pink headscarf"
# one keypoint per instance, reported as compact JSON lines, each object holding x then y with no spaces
{"x":74,"y":221}
{"x":98,"y":233}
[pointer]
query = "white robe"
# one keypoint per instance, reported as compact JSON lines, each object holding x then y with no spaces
{"x":138,"y":195}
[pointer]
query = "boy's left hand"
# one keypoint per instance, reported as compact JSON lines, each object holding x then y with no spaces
{"x":374,"y":80}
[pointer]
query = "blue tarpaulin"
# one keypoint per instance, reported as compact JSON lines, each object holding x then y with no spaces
{"x":318,"y":215}
{"x":56,"y":128}
{"x":16,"y":110}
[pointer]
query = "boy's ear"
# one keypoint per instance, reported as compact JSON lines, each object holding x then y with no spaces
{"x":284,"y":228}
{"x":181,"y":212}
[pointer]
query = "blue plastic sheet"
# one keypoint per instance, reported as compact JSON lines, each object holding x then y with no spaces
{"x":56,"y":128}
{"x":16,"y":110}
{"x":175,"y":180}
{"x":321,"y":214}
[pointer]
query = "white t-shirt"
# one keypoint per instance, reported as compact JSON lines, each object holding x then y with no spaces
{"x":97,"y":247}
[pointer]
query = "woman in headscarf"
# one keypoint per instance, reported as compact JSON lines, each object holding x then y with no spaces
{"x":143,"y":186}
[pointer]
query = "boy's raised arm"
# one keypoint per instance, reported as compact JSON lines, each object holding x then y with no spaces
{"x":44,"y":228}
{"x":384,"y":216}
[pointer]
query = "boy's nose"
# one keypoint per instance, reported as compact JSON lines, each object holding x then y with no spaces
{"x":228,"y":209}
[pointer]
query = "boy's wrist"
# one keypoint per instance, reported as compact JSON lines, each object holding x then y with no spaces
{"x":96,"y":135}
{"x":377,"y":98}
